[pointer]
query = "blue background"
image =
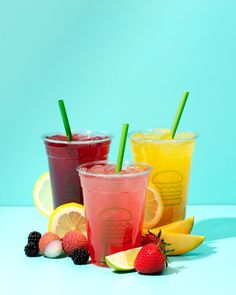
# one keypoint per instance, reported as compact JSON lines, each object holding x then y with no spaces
{"x":116,"y":61}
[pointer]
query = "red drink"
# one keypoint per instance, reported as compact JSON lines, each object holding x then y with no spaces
{"x":114,"y":207}
{"x":64,"y":157}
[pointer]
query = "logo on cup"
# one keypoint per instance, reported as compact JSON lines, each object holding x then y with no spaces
{"x":115,"y":226}
{"x":170,"y":185}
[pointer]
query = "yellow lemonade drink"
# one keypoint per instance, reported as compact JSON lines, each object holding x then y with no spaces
{"x":171,"y":162}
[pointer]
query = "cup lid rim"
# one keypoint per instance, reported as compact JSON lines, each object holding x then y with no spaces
{"x":80,"y":169}
{"x":193,"y":136}
{"x":107,"y":136}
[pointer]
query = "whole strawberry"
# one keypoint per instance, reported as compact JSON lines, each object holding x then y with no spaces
{"x":150,"y":260}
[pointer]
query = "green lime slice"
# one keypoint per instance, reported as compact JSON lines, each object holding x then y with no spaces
{"x":124,"y":260}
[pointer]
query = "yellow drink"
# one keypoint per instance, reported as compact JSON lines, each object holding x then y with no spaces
{"x":171,"y":161}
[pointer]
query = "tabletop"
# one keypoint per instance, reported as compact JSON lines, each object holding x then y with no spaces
{"x":208,"y":269}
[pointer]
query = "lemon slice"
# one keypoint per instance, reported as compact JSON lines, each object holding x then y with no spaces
{"x":43,"y":195}
{"x":153,"y":208}
{"x":67,"y":217}
{"x":124,"y":260}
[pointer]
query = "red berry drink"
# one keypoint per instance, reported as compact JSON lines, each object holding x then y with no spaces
{"x":65,"y":156}
{"x":114,"y":207}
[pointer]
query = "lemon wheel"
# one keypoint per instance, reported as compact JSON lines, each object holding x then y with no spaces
{"x":153,"y":209}
{"x":42,"y":194}
{"x":67,"y":217}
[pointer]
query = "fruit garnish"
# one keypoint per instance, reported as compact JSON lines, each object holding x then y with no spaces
{"x":73,"y":240}
{"x":153,"y":208}
{"x":182,"y":226}
{"x":80,"y":256}
{"x":181,"y":243}
{"x":151,"y":259}
{"x":50,"y":245}
{"x":42,"y":194}
{"x":46,"y":239}
{"x":151,"y":238}
{"x":68,"y":217}
{"x":124,"y":260}
{"x":31,"y":250}
{"x":34,"y":237}
{"x":53,"y":249}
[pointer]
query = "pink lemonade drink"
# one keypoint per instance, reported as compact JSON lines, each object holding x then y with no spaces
{"x":65,"y":156}
{"x":114,"y":206}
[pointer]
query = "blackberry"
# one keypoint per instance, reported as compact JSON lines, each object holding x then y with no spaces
{"x":80,"y":256}
{"x":31,"y":250}
{"x":34,"y":237}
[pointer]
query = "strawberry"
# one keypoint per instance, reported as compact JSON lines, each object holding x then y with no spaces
{"x":151,"y":259}
{"x":155,"y":239}
{"x":151,"y":238}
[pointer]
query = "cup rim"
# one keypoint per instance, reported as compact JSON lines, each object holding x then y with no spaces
{"x":108,"y":137}
{"x":114,"y":175}
{"x":174,"y":140}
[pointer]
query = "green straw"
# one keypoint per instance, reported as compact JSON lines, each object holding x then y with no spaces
{"x":122,"y":147}
{"x":179,"y":114}
{"x":65,"y":119}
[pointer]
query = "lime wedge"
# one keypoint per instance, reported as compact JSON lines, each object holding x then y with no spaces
{"x":124,"y":260}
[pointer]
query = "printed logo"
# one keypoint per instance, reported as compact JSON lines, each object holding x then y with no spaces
{"x":170,"y":185}
{"x":115,"y":226}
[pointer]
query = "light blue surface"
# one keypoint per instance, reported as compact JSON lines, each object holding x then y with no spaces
{"x":116,"y":61}
{"x":209,"y":269}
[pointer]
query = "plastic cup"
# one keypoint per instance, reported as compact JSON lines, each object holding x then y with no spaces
{"x":171,"y":162}
{"x":114,"y":207}
{"x":63,"y":158}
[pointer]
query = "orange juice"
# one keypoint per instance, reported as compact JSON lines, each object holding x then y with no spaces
{"x":171,"y":162}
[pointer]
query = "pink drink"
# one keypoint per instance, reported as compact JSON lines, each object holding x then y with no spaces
{"x":114,"y":207}
{"x":64,"y":157}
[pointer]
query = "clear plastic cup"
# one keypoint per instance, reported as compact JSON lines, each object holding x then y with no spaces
{"x":114,"y":206}
{"x":65,"y":156}
{"x":171,"y":161}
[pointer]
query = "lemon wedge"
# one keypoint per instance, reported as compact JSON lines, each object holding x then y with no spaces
{"x":153,"y":208}
{"x":67,"y":217}
{"x":42,"y":194}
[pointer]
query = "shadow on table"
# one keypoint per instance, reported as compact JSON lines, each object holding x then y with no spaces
{"x":216,"y":228}
{"x":169,"y":271}
{"x":173,"y":270}
{"x":203,"y":251}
